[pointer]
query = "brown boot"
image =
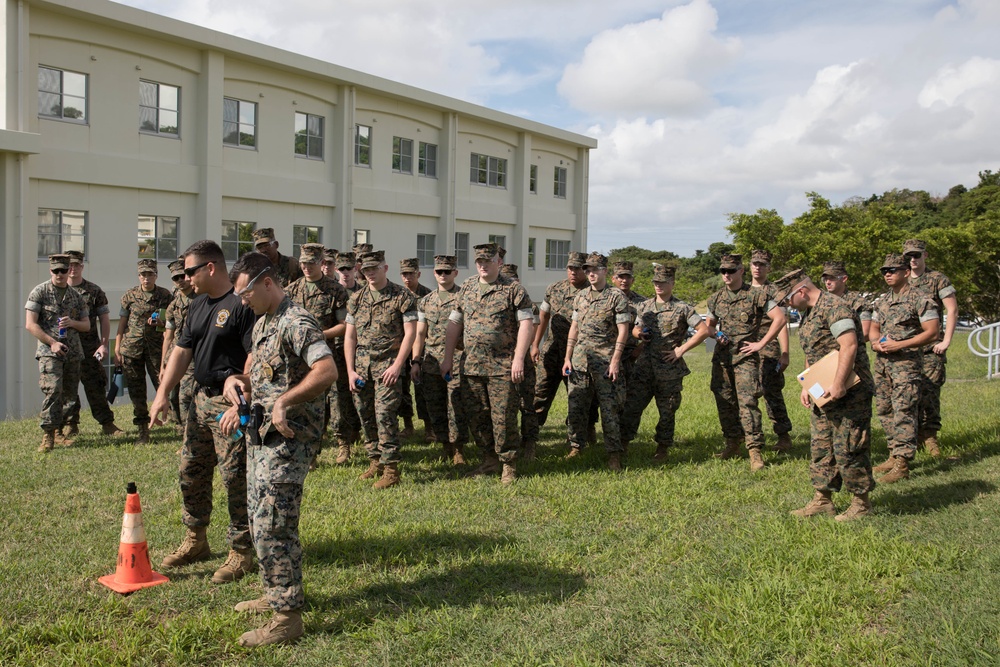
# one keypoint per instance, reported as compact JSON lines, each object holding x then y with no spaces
{"x":62,"y":439}
{"x":407,"y":431}
{"x":860,"y":507}
{"x":194,"y":548}
{"x":71,"y":430}
{"x":48,"y":441}
{"x":111,"y":429}
{"x":625,"y":446}
{"x":574,"y":452}
{"x":390,"y":476}
{"x":784,"y":444}
{"x":238,"y":564}
{"x":929,"y":440}
{"x":343,"y":454}
{"x":489,"y":466}
{"x":615,"y":461}
{"x":447,"y":451}
{"x":731,"y":450}
{"x":661,"y":452}
{"x":592,"y":435}
{"x":459,"y":458}
{"x":901,"y":470}
{"x":756,"y":460}
{"x":821,"y":503}
{"x":374,"y":470}
{"x":528,"y":451}
{"x":509,"y":475}
{"x":285,"y":627}
{"x":143,"y":437}
{"x":429,"y":437}
{"x":258,"y":606}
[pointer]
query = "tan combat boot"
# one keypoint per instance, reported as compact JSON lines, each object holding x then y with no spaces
{"x":784,"y":444}
{"x":509,"y":475}
{"x":143,"y":437}
{"x":459,"y":458}
{"x":374,"y":470}
{"x":194,"y":548}
{"x":238,"y":564}
{"x":886,"y":465}
{"x":62,"y":439}
{"x":390,"y":476}
{"x":661,"y":451}
{"x":615,"y":461}
{"x":343,"y":454}
{"x":821,"y":503}
{"x":899,"y":471}
{"x":860,"y":507}
{"x":528,"y":451}
{"x":574,"y":451}
{"x":489,"y":466}
{"x":730,"y":451}
{"x":71,"y":430}
{"x":258,"y":606}
{"x":930,"y":442}
{"x":48,"y":441}
{"x":285,"y":627}
{"x":756,"y":460}
{"x":111,"y":429}
{"x":429,"y":437}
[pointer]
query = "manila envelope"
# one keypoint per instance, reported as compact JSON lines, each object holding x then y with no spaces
{"x":817,"y":378}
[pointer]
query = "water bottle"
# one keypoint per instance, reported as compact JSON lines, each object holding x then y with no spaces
{"x":722,"y":337}
{"x":359,"y":383}
{"x":156,"y":318}
{"x":161,"y":320}
{"x":447,"y":377}
{"x":568,"y":372}
{"x":244,"y":411}
{"x":62,"y":331}
{"x":646,"y":334}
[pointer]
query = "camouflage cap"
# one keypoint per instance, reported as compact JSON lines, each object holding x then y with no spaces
{"x":176,"y":268}
{"x":501,"y":251}
{"x":409,"y":265}
{"x":623,"y":267}
{"x":486,"y":250}
{"x":760,"y":256}
{"x":663,"y":272}
{"x":445,"y":262}
{"x":510,"y":271}
{"x":147,"y":265}
{"x":596,"y":260}
{"x":788,"y":283}
{"x":373,"y":259}
{"x":263,"y":235}
{"x":347,"y":260}
{"x":330,"y":254}
{"x":576,"y":260}
{"x":731,"y":261}
{"x":58,"y":262}
{"x":75,"y":256}
{"x":834,"y":268}
{"x":311,"y":253}
{"x":894,"y":260}
{"x":361,"y":248}
{"x":914,"y":245}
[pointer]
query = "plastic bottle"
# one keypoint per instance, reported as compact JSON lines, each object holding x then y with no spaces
{"x":359,"y":383}
{"x":721,"y":337}
{"x":161,"y":320}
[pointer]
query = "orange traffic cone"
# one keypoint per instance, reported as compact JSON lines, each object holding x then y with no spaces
{"x":134,"y":571}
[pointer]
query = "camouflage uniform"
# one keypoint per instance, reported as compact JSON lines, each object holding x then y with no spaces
{"x":378,"y":318}
{"x":346,"y":423}
{"x":286,"y":267}
{"x":898,"y":375}
{"x":285,"y":346}
{"x":445,"y":404}
{"x":526,"y":390}
{"x":92,"y":373}
{"x":937,"y":287}
{"x":772,"y":380}
{"x":559,"y":304}
{"x":840,"y":447}
{"x":176,"y":314}
{"x":58,"y":375}
{"x":406,"y":406}
{"x":142,"y":345}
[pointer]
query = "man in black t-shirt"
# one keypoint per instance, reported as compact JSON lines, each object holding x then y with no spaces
{"x":217,"y":335}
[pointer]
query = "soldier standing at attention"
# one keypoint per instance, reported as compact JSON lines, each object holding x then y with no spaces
{"x":773,"y":359}
{"x":840,"y":442}
{"x":594,"y":349}
{"x":290,"y":369}
{"x":526,"y":389}
{"x":381,"y":327}
{"x":139,"y":343}
{"x":737,"y":312}
{"x":445,"y":404}
{"x":409,"y":272}
{"x":56,"y":314}
{"x":835,"y":279}
{"x":938,"y":288}
{"x":904,"y":320}
{"x":662,"y":322}
{"x":492,"y":318}
{"x":181,"y":395}
{"x":95,"y":350}
{"x":287,"y":267}
{"x":346,"y":423}
{"x":216,"y":335}
{"x":624,"y":279}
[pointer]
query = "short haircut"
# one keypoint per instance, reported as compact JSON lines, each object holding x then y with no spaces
{"x":251,"y":263}
{"x":207,"y":251}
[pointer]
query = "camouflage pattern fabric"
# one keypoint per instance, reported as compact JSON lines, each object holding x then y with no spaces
{"x":558,"y":302}
{"x":936,"y":286}
{"x":57,"y":378}
{"x":771,"y":379}
{"x":740,"y":314}
{"x":134,"y":370}
{"x":183,"y":393}
{"x":493,"y":404}
{"x":860,"y":305}
{"x":141,"y":346}
{"x":417,"y":396}
{"x":444,"y":401}
{"x":288,"y":270}
{"x":737,"y":389}
{"x":92,"y":374}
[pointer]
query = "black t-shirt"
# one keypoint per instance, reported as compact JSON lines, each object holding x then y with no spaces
{"x":219,"y":331}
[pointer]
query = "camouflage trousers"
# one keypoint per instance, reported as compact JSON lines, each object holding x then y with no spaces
{"x":932,"y":378}
{"x":181,"y":396}
{"x":343,"y":415}
{"x":526,"y":390}
{"x":276,"y":471}
{"x":205,"y":447}
{"x":57,"y":378}
{"x":897,"y":400}
{"x":840,"y":445}
{"x":772,"y":382}
{"x":548,"y":377}
{"x":584,"y":386}
{"x":737,"y":389}
{"x":492,"y":402}
{"x":378,"y":408}
{"x":649,"y":381}
{"x":406,"y":405}
{"x":134,"y":370}
{"x":94,"y":378}
{"x":445,"y":403}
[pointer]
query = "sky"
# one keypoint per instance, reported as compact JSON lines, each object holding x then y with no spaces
{"x":701,"y":108}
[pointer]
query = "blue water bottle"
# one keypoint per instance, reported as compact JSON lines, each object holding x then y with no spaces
{"x":359,"y":383}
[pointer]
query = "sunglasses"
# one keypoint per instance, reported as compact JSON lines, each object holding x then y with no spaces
{"x":886,"y":270}
{"x":191,"y":270}
{"x":727,"y":272}
{"x":248,"y":290}
{"x":442,"y":272}
{"x":913,"y":255}
{"x":61,"y":272}
{"x":177,"y":279}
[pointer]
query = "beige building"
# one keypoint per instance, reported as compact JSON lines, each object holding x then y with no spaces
{"x":118,"y":124}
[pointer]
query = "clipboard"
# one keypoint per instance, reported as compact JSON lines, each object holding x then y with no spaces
{"x":817,"y":378}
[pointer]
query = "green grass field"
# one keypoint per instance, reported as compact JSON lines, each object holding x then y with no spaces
{"x":693,"y":562}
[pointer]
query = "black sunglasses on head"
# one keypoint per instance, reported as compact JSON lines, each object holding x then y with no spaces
{"x":728,"y":271}
{"x":61,"y":272}
{"x":886,"y":270}
{"x":191,"y":270}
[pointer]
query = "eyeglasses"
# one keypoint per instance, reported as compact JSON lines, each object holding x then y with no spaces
{"x":61,"y":272}
{"x":248,"y":290}
{"x":442,"y":272}
{"x":191,"y":270}
{"x":177,"y":279}
{"x":727,"y":272}
{"x":913,"y":255}
{"x":886,"y":270}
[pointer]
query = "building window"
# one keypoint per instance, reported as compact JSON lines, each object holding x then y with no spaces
{"x":425,"y":250}
{"x":62,"y":94}
{"x":499,"y":239}
{"x":237,"y":238}
{"x":559,"y":188}
{"x":309,"y":135}
{"x":427,"y":160}
{"x":305,"y":234}
{"x":533,"y":179}
{"x":402,"y":155}
{"x":159,"y":108}
{"x":531,"y":253}
{"x":239,"y":123}
{"x":158,"y":236}
{"x":489,"y":171}
{"x":362,"y":236}
{"x":363,"y":145}
{"x":556,"y":254}
{"x":462,"y":249}
{"x":59,"y":231}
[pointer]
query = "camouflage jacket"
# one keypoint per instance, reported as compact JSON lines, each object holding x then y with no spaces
{"x":378,"y":318}
{"x":773,"y":349}
{"x":51,"y":303}
{"x":288,"y":270}
{"x":421,"y":292}
{"x":491,"y":315}
{"x":824,"y":323}
{"x":97,"y":303}
{"x":433,"y":310}
{"x":937,"y":287}
{"x":667,"y":323}
{"x":739,"y":314}
{"x":285,"y":346}
{"x":558,"y":304}
{"x":900,"y":316}
{"x":137,"y":306}
{"x":176,"y":314}
{"x":597,"y":314}
{"x":859,"y":304}
{"x":634,"y":301}
{"x":325,"y":299}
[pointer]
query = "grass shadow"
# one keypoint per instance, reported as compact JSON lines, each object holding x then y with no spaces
{"x":407,"y":549}
{"x":929,"y":498}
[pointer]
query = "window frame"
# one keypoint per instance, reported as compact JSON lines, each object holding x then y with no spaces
{"x":366,"y":149}
{"x":425,"y":255}
{"x":488,"y":171}
{"x":427,"y":165}
{"x":533,"y":179}
{"x":243,"y":228}
{"x":298,"y":229}
{"x":402,"y":155}
{"x":85,"y":119}
{"x":158,"y":254}
{"x":362,"y":236}
{"x":310,"y":139}
{"x":61,"y":234}
{"x":159,"y":109}
{"x":239,"y":124}
{"x":499,"y":239}
{"x":556,"y":253}
{"x":531,"y":252}
{"x":462,"y":250}
{"x":559,"y":183}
